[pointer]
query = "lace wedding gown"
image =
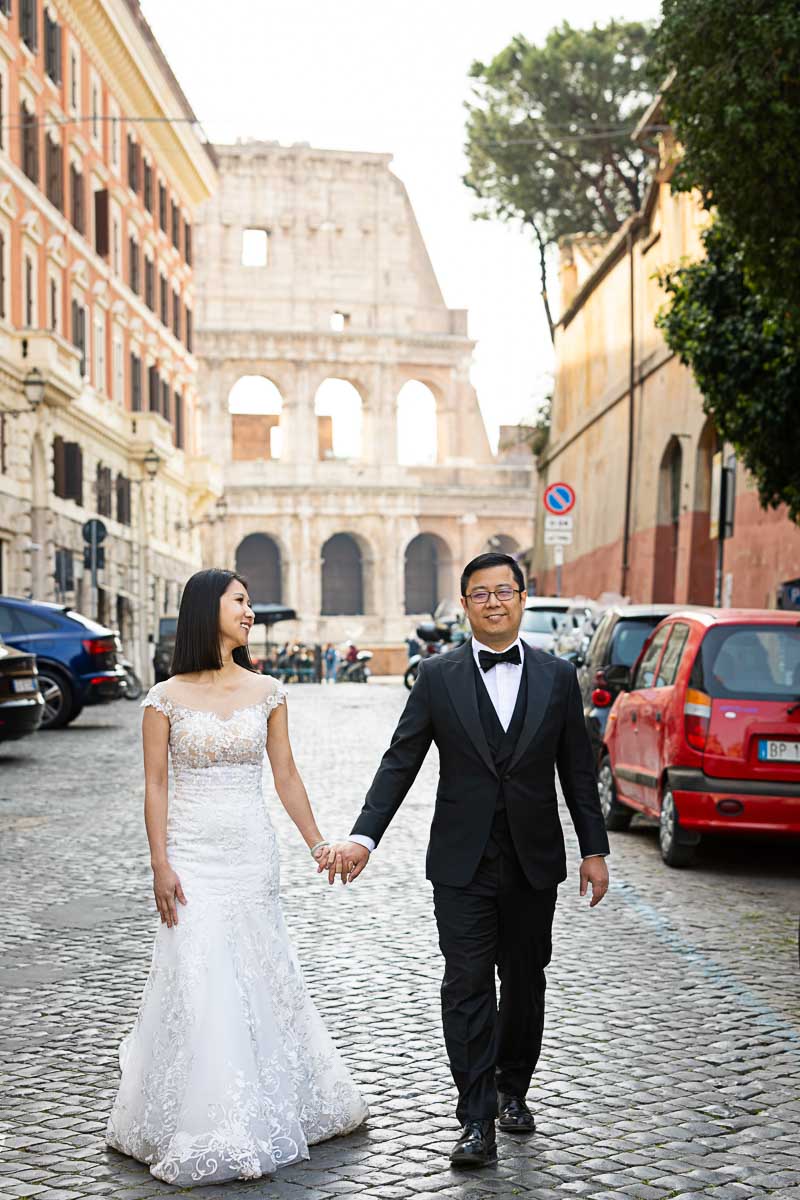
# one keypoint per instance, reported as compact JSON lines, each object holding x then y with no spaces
{"x":229,"y":1071}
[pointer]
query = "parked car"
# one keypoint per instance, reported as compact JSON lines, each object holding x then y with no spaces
{"x":707,"y":735}
{"x":21,"y":702}
{"x":543,"y":619}
{"x":617,"y":642}
{"x":579,"y":623}
{"x":165,"y":645}
{"x":76,"y":658}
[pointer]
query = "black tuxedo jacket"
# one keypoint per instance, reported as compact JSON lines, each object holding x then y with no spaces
{"x":443,"y":708}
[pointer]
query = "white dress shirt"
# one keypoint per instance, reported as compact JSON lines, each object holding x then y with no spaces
{"x":502,"y":683}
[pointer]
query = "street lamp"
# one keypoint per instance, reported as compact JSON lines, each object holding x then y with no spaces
{"x":34,"y":387}
{"x":152,"y":462}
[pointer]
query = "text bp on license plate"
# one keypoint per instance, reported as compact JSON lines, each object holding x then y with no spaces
{"x":24,"y":685}
{"x":774,"y":751}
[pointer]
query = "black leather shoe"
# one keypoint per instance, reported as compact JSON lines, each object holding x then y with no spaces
{"x":476,"y":1147}
{"x":515,"y":1116}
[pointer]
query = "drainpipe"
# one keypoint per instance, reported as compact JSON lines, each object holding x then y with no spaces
{"x":626,"y":534}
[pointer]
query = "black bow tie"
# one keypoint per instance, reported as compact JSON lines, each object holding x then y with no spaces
{"x":489,"y":660}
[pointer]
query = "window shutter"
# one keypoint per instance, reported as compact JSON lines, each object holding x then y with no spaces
{"x":187,"y":243}
{"x":73,"y":464}
{"x":59,"y":467}
{"x":179,"y":431}
{"x":153,"y":388}
{"x":102,"y":239}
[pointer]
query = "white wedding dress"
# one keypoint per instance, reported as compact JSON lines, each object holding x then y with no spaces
{"x":229,"y":1071}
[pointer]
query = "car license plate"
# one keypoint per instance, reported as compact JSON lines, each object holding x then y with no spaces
{"x":24,"y":685}
{"x":774,"y":751}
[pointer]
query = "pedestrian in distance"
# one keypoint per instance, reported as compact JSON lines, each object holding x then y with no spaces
{"x":229,"y":1071}
{"x":331,"y":660}
{"x":505,"y":718}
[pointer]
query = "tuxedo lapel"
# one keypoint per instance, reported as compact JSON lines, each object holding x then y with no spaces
{"x":540,"y":675}
{"x":459,"y":677}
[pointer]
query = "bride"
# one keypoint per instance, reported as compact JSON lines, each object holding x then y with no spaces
{"x":229,"y":1071}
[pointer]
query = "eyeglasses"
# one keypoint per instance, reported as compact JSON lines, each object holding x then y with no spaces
{"x":504,"y":593}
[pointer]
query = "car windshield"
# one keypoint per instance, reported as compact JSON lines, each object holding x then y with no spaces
{"x":167,"y":626}
{"x":540,"y":620}
{"x":628,"y":638}
{"x":752,"y":662}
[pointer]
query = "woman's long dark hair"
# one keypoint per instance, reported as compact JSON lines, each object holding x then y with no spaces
{"x":197,"y":634}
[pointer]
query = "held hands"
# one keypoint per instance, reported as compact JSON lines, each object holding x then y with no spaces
{"x":166,"y":889}
{"x":595,"y":872}
{"x":346,"y":859}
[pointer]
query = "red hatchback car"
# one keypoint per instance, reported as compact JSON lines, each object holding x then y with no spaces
{"x":706,"y":736}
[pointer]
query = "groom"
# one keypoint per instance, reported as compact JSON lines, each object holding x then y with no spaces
{"x":504,"y":717}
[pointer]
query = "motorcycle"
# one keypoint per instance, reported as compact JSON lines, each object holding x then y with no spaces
{"x":356,"y":671}
{"x":134,"y":689}
{"x":437,"y":637}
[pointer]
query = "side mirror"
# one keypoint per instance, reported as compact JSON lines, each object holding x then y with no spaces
{"x":618,"y":678}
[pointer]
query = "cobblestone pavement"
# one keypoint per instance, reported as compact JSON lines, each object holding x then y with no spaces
{"x":671,"y":1064}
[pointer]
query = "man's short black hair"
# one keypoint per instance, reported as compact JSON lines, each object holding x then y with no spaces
{"x":492,"y":560}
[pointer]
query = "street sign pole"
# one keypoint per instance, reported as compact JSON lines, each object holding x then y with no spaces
{"x":559,"y":560}
{"x":93,"y":547}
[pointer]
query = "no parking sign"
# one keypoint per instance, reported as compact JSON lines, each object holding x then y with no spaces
{"x":559,"y":498}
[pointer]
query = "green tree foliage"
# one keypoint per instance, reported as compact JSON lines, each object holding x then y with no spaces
{"x":740,"y":345}
{"x":734,"y":103}
{"x":548,"y":132}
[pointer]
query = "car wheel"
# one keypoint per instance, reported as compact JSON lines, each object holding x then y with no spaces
{"x":676,"y":851}
{"x":59,"y":707}
{"x":616,"y":816}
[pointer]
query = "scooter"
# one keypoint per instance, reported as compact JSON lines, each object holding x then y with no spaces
{"x":357,"y":671}
{"x":436,"y":638}
{"x":134,"y":689}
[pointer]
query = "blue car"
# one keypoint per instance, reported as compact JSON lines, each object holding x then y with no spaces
{"x":76,"y":657}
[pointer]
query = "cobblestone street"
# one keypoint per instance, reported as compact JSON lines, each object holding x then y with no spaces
{"x":671,"y":1063}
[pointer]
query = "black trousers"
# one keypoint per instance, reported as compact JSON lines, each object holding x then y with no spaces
{"x":497,"y":921}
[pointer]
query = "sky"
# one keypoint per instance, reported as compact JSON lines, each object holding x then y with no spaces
{"x":390,"y":76}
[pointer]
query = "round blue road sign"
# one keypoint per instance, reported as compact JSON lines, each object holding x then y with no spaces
{"x":559,"y":498}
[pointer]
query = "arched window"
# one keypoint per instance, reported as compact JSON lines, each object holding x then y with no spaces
{"x":342,"y":577}
{"x":258,"y":557}
{"x":338,"y":408}
{"x":427,"y":566}
{"x":255,"y":405}
{"x":416,"y":425}
{"x":668,"y":528}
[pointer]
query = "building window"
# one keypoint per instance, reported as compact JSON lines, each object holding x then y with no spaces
{"x":189,"y":334}
{"x":134,"y":155}
{"x":77,"y":213}
{"x":176,"y":226}
{"x":148,"y":187}
{"x":103,"y":490}
{"x":67,"y":470}
{"x":95,"y":112}
{"x":165,"y":395}
{"x":101,"y":222}
{"x":176,"y":314}
{"x":178,"y":426}
{"x":65,"y":570}
{"x":150,"y":284}
{"x":29,"y":292}
{"x":54,"y":171}
{"x":133,"y":261}
{"x":52,"y":48}
{"x":136,"y":383}
{"x":100,"y":350}
{"x":114,"y":136}
{"x":164,"y":300}
{"x":116,"y":246}
{"x":55,"y":305}
{"x":153,"y":389}
{"x":5,"y":7}
{"x":74,"y":81}
{"x":29,"y":135}
{"x":255,"y":248}
{"x":162,"y":206}
{"x":187,"y":242}
{"x":123,"y":500}
{"x":28,"y":24}
{"x":119,"y":370}
{"x":79,"y":331}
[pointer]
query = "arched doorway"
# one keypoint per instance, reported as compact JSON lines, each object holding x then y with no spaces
{"x":255,"y":405}
{"x":337,"y":405}
{"x":416,"y":425}
{"x":668,"y":525}
{"x":258,"y":557}
{"x":427,"y":568}
{"x":342,"y":577}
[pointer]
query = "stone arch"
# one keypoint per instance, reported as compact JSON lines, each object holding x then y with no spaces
{"x":702,"y":562}
{"x":500,"y":543}
{"x":344,"y":566}
{"x":667,"y":538}
{"x":338,"y":406}
{"x":259,"y":558}
{"x":417,"y":424}
{"x":427,"y":569}
{"x":255,"y":404}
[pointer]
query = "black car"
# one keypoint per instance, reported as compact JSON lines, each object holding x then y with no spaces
{"x":619,"y":637}
{"x":21,"y":702}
